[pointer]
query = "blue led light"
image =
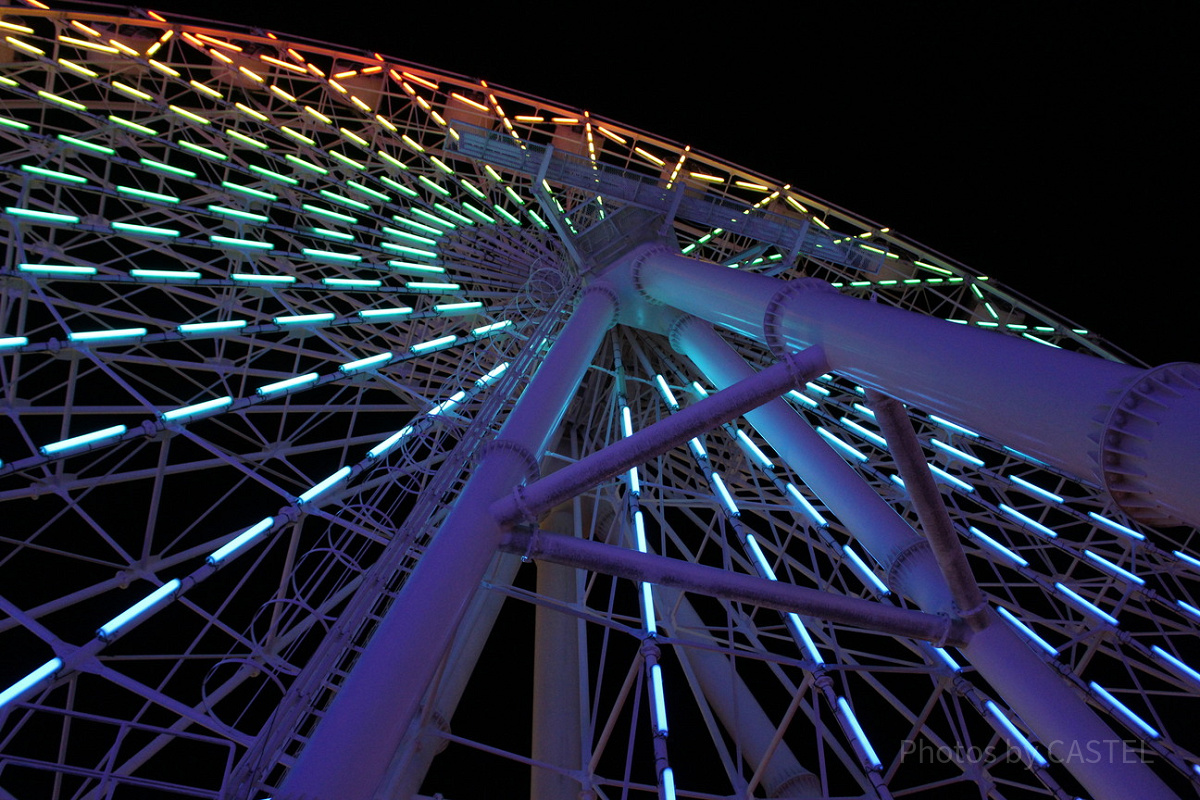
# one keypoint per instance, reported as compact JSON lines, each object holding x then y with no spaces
{"x":195,"y":410}
{"x":131,"y":614}
{"x":241,"y":540}
{"x":324,"y":486}
{"x":29,"y":681}
{"x":84,"y":440}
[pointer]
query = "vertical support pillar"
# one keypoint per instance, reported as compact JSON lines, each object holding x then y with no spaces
{"x":1052,"y":709}
{"x":353,"y":745}
{"x":736,"y":707}
{"x":557,"y":717}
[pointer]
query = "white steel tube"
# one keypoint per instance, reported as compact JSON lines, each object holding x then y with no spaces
{"x":352,"y":747}
{"x":737,"y":586}
{"x":1053,"y":404}
{"x":1048,"y":705}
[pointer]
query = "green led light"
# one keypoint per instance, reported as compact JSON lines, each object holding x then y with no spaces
{"x":887,"y":283}
{"x":52,"y":175}
{"x":62,"y":101}
{"x":417,"y":286}
{"x":239,"y":214}
{"x":408,"y":251}
{"x":395,"y":162}
{"x":325,"y":255}
{"x":42,"y":216}
{"x":246,"y":190}
{"x":345,"y":201}
{"x":860,"y":283}
{"x":410,"y":237}
{"x":423,"y":214}
{"x":80,"y":143}
{"x":512,"y":193}
{"x":384,"y":313}
{"x":450,"y":212}
{"x":345,"y":237}
{"x":273,"y":176}
{"x":443,"y":166}
{"x":304,"y":319}
{"x":399,"y":187}
{"x":244,"y":139}
{"x":145,"y":195}
{"x":165,"y":274}
{"x":419,"y":226}
{"x":325,"y":212}
{"x":367,"y":190}
{"x":161,"y":167}
{"x":308,"y":165}
{"x":434,"y":186}
{"x":470,"y":187}
{"x":494,"y":175}
{"x":5,"y":122}
{"x":247,"y":243}
{"x":183,"y":112}
{"x":479,"y":213}
{"x":349,"y":162}
{"x":130,"y":91}
{"x":133,"y":126}
{"x":537,"y":219}
{"x":415,"y":269}
{"x":1033,"y":338}
{"x":352,"y":283}
{"x":932,"y":268}
{"x":55,"y":269}
{"x":145,"y":230}
{"x":457,"y":308}
{"x":354,"y":137}
{"x":243,"y":278}
{"x":204,"y":151}
{"x":511,"y":219}
{"x":299,"y":137}
{"x":909,"y":281}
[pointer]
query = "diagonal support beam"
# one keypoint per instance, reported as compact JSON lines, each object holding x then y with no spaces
{"x":527,"y":502}
{"x":736,"y":586}
{"x":931,"y":511}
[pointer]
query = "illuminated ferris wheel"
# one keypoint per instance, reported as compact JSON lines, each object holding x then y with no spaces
{"x":371,"y":431}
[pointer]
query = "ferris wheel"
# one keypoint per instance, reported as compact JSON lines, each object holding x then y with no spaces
{"x":374,"y":431}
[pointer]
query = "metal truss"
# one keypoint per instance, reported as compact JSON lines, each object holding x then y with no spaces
{"x":265,"y":301}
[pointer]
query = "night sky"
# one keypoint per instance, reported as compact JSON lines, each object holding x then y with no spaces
{"x":1045,"y":145}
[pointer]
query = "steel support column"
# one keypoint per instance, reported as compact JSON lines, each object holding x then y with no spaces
{"x":931,"y":511}
{"x":735,"y":705}
{"x":1052,"y":709}
{"x":1133,"y":430}
{"x":352,"y":747}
